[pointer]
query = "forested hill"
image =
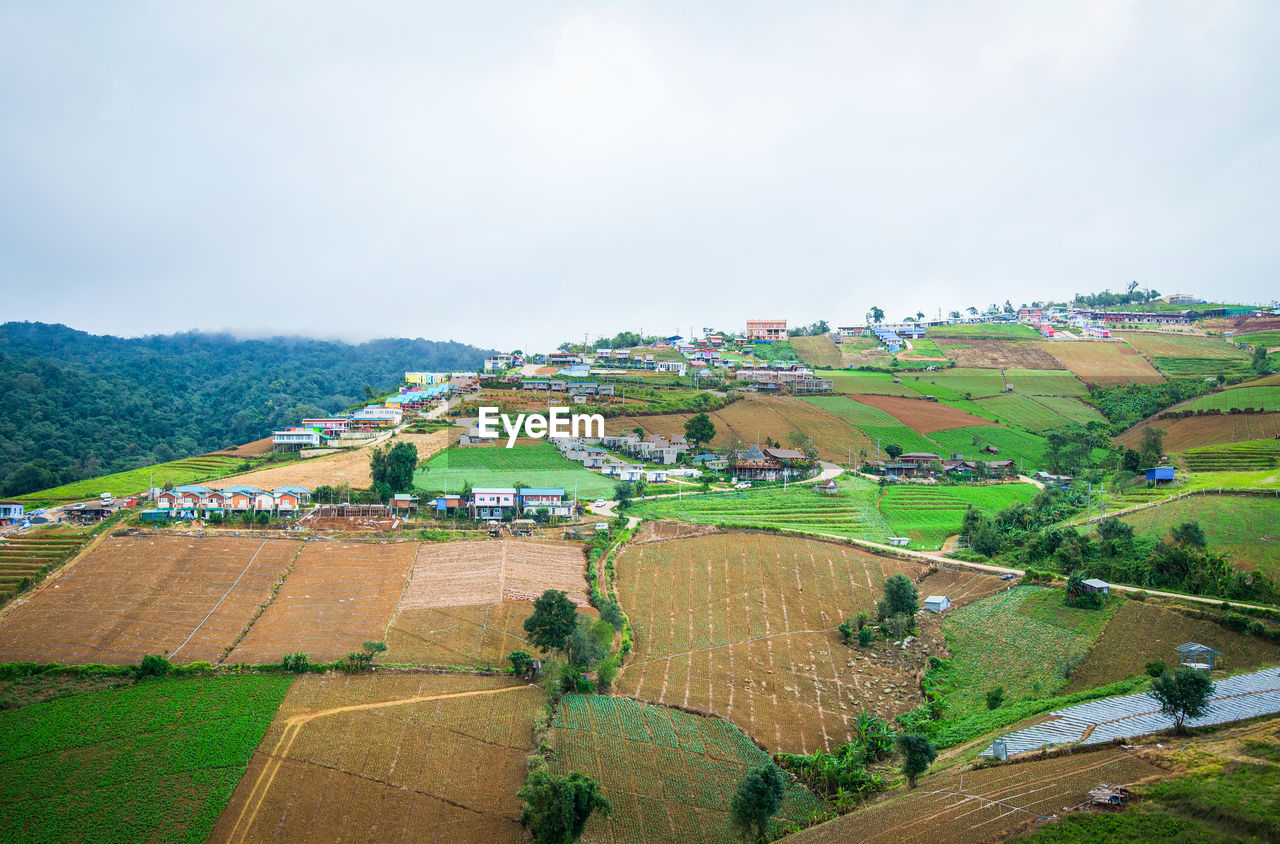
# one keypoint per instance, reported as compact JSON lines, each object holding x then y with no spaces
{"x":75,"y":405}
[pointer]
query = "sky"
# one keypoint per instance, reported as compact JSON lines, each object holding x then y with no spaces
{"x":517,"y":174}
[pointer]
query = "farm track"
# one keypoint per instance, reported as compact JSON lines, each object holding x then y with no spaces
{"x":293,"y":726}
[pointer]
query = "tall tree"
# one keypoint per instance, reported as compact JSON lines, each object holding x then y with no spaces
{"x":556,"y":808}
{"x":875,"y":315}
{"x":1182,"y":694}
{"x":901,"y":595}
{"x":554,"y":618}
{"x":918,"y":754}
{"x":758,"y":798}
{"x":699,"y":429}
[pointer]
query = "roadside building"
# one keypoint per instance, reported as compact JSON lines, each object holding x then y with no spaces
{"x":493,"y":502}
{"x":295,"y":439}
{"x":1094,"y":586}
{"x":766,"y":330}
{"x":11,"y":512}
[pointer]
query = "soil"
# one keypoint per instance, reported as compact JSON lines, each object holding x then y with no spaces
{"x":923,"y":417}
{"x":1102,"y":363}
{"x":997,"y":354}
{"x":350,"y":466}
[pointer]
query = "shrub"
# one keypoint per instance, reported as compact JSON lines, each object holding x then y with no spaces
{"x":1235,"y":621}
{"x":607,"y":672}
{"x":846,"y":631}
{"x":154,"y":666}
{"x":866,"y":636}
{"x":297,"y":663}
{"x":995,"y":697}
{"x":1156,"y":668}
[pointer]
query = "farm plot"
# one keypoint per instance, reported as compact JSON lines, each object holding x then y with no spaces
{"x":872,"y":383}
{"x":1233,"y":457}
{"x":669,"y":775}
{"x":929,"y":514}
{"x":1024,"y":412}
{"x":987,"y":804}
{"x":818,"y":352}
{"x":135,"y":595}
{"x":743,"y":626}
{"x":958,"y":383}
{"x":149,"y":762}
{"x":1024,"y":640}
{"x":1039,"y":382}
{"x":1102,"y":363}
{"x":924,"y":417}
{"x":1194,"y":431}
{"x":466,"y":602}
{"x":851,"y":512}
{"x":133,"y":481}
{"x":995,"y":354}
{"x":31,"y":554}
{"x":537,"y":464}
{"x":876,"y":424}
{"x":350,"y":466}
{"x":408,"y":757}
{"x":1202,"y":367}
{"x":1139,"y":632}
{"x":338,"y":595}
{"x":1165,"y":345}
{"x":1255,"y":398}
{"x":987,"y":331}
{"x":1072,"y":409}
{"x":1025,"y":449}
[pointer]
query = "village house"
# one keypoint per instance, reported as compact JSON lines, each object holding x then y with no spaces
{"x":446,"y":503}
{"x":403,"y":502}
{"x":553,"y":501}
{"x":376,"y":418}
{"x":295,"y":439}
{"x":766,"y":330}
{"x":493,"y":503}
{"x":330,"y":426}
{"x":11,"y":512}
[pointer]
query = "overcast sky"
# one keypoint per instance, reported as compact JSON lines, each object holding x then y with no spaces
{"x":514,"y":176}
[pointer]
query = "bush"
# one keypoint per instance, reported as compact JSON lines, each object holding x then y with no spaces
{"x":154,"y":666}
{"x":995,"y":697}
{"x":846,"y":631}
{"x":1235,"y":621}
{"x":1156,"y":668}
{"x":866,"y":636}
{"x":607,"y":672}
{"x":297,"y":663}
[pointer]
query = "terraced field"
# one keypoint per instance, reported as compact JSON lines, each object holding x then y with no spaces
{"x":134,"y":481}
{"x":853,"y":383}
{"x":929,"y":514}
{"x":1071,"y":409}
{"x":1244,"y":456}
{"x":1166,"y":345}
{"x":851,"y":512}
{"x":1040,"y":382}
{"x":33,"y":554}
{"x":1256,"y":398}
{"x":1202,"y":367}
{"x":1103,"y":363}
{"x":1025,"y":449}
{"x":1023,"y":411}
{"x":818,"y":352}
{"x":1194,"y":431}
{"x":669,"y":775}
{"x":959,"y":382}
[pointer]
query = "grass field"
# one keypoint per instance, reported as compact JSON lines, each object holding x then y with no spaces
{"x":1025,"y":640}
{"x":743,"y":626}
{"x":669,"y":775}
{"x":134,"y":481}
{"x":393,"y":757}
{"x":1245,"y":528}
{"x":1023,"y":411}
{"x":155,"y":761}
{"x":1241,"y":456}
{"x":1041,"y":382}
{"x":536,"y":465}
{"x":987,"y":331}
{"x":1256,"y":398}
{"x":1103,"y":363}
{"x":958,"y":382}
{"x":875,"y":383}
{"x":1025,"y":449}
{"x":1164,"y":345}
{"x":929,"y":514}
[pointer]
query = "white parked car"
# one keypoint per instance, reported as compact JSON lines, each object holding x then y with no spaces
{"x":742,"y":485}
{"x":601,"y":503}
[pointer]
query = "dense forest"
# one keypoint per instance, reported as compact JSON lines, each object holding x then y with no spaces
{"x":75,"y":405}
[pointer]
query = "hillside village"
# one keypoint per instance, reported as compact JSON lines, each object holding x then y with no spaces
{"x":941,"y":575}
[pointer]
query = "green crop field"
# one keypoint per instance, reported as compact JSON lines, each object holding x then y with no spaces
{"x":1071,"y":409}
{"x":986,"y":331}
{"x":134,"y":481}
{"x":156,"y":761}
{"x":851,"y":512}
{"x":1023,"y":448}
{"x":924,"y":347}
{"x":1242,"y":456}
{"x":1259,"y":398}
{"x":1045,"y":382}
{"x":1025,"y":640}
{"x":1023,"y":411}
{"x":1244,"y":527}
{"x":1201,"y":367}
{"x":955,"y":383}
{"x":870,"y":383}
{"x":668,"y":775}
{"x":537,"y":465}
{"x":929,"y":514}
{"x":875,"y":423}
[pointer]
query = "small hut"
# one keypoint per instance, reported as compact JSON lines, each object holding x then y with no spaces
{"x":1095,"y":586}
{"x":1195,"y":655}
{"x":937,"y":603}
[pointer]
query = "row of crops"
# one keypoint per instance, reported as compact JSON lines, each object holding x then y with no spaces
{"x":1237,"y":457}
{"x":849,"y":513}
{"x":29,"y":556}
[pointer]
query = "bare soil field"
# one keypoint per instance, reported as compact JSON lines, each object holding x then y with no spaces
{"x":923,"y":417}
{"x":652,"y":531}
{"x":347,"y":467}
{"x":742,"y":625}
{"x":1102,"y":363}
{"x":257,"y":448}
{"x":987,"y":804}
{"x":131,"y":596}
{"x":466,"y":602}
{"x":403,"y":757}
{"x":338,"y":595}
{"x":1142,"y":631}
{"x":1194,"y":431}
{"x":997,"y":354}
{"x":754,"y":418}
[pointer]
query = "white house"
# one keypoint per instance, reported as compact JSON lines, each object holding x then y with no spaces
{"x":937,"y":603}
{"x":293,"y":439}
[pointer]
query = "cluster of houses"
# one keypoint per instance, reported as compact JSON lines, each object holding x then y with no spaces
{"x":771,"y":464}
{"x":915,"y":464}
{"x":593,"y":453}
{"x":503,"y":503}
{"x":192,"y":501}
{"x":794,"y":376}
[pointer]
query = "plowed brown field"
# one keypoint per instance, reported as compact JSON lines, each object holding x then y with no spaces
{"x":988,"y":804}
{"x":131,"y":596}
{"x":755,"y":418}
{"x":742,"y":625}
{"x":347,"y":467}
{"x":466,"y":602}
{"x":997,"y":354}
{"x":338,"y":595}
{"x":1195,"y":431}
{"x":923,"y":417}
{"x":409,"y":757}
{"x":1103,"y":363}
